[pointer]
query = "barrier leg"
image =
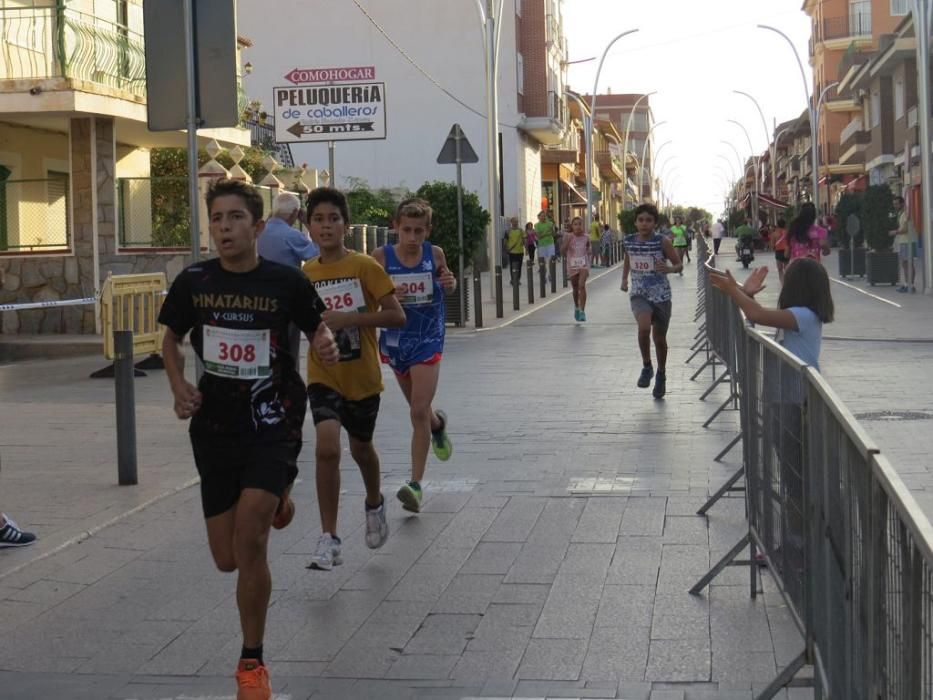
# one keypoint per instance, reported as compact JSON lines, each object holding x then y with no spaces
{"x":728,"y":448}
{"x":720,"y":565}
{"x":723,"y":407}
{"x":126,"y":407}
{"x":723,"y":378}
{"x":710,"y":362}
{"x":723,"y":490}
{"x":154,"y":361}
{"x":786,"y":678}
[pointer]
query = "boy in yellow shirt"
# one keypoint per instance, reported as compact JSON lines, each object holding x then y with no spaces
{"x":360,"y":297}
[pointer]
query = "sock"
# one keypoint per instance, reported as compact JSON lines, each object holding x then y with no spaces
{"x":256,"y":654}
{"x":415,"y":485}
{"x":442,"y":426}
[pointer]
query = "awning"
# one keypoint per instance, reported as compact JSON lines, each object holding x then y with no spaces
{"x":765,"y":199}
{"x":580,"y":196}
{"x":857,"y":184}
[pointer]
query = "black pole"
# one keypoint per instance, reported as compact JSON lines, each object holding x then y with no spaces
{"x":516,"y":287}
{"x":552,"y":267}
{"x":563,"y":274}
{"x":126,"y":407}
{"x":531,"y":282}
{"x":542,"y":274}
{"x":477,"y":298}
{"x":499,"y":311}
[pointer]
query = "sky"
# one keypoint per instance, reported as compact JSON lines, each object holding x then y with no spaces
{"x":695,"y":53}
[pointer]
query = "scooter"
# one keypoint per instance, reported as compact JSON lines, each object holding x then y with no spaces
{"x":745,"y":251}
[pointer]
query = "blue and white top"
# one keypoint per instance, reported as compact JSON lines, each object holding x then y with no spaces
{"x":643,"y":255}
{"x":420,"y":292}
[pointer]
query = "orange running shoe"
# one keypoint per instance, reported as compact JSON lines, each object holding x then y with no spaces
{"x":284,"y":513}
{"x":252,"y":680}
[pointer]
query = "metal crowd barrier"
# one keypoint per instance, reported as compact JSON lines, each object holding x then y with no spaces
{"x":847,"y":546}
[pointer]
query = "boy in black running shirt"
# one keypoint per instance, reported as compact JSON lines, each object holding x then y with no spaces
{"x":248,"y":408}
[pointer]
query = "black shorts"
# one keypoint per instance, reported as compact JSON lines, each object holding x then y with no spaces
{"x":660,"y":311}
{"x":229,"y":464}
{"x":357,"y":417}
{"x":780,"y":256}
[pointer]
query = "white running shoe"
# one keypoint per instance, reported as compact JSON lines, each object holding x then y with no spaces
{"x":327,"y":554}
{"x":377,"y":529}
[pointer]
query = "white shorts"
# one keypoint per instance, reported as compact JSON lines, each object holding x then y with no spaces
{"x":546,"y":251}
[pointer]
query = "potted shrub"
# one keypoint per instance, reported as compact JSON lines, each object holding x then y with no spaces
{"x":851,"y":252}
{"x":877,"y":218}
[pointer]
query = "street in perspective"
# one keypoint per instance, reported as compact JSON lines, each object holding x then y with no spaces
{"x":495,"y":349}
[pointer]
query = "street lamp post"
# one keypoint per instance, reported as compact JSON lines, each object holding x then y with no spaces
{"x":589,"y":132}
{"x":815,"y":146}
{"x":644,"y":154}
{"x":764,"y":124}
{"x":923,"y":17}
{"x":738,"y":158}
{"x":755,"y":187}
{"x":628,"y":124}
{"x":488,"y":17}
{"x":731,"y":167}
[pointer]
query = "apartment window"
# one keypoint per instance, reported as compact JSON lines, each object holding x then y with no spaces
{"x":520,"y":69}
{"x":57,"y":221}
{"x":875,"y":109}
{"x":899,"y":7}
{"x":899,"y":105}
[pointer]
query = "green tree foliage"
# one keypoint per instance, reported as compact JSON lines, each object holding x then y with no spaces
{"x":442,"y":196}
{"x":849,"y":203}
{"x":877,"y":213}
{"x":627,"y":221}
{"x":168,"y":168}
{"x":371,"y":207}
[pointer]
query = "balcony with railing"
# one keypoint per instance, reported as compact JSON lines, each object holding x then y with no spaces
{"x":854,"y":25}
{"x":548,"y":128}
{"x":38,"y":43}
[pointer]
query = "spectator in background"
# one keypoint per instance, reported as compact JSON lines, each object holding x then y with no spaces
{"x":805,"y":239}
{"x":531,"y":240}
{"x":282,"y":243}
{"x":718,"y":232}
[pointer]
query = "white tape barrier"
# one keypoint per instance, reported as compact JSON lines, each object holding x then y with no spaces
{"x":48,"y":304}
{"x":53,"y":304}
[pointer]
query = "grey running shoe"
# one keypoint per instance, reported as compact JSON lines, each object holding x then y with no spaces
{"x":12,"y":536}
{"x":377,"y":529}
{"x":327,"y":554}
{"x":644,"y":379}
{"x":660,"y":385}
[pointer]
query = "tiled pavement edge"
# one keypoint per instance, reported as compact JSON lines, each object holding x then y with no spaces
{"x":552,"y":559}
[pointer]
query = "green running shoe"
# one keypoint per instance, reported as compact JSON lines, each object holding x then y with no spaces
{"x":410,"y":497}
{"x":439,"y":440}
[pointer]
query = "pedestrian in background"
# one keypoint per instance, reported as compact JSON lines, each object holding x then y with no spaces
{"x":280,"y":242}
{"x":531,"y":240}
{"x":804,"y":237}
{"x":779,"y":237}
{"x":515,"y":247}
{"x":718,"y":232}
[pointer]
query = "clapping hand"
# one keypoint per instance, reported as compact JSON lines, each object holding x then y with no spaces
{"x":756,"y":281}
{"x":724,"y":281}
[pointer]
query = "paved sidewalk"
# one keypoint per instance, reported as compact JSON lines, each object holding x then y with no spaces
{"x":552,"y":559}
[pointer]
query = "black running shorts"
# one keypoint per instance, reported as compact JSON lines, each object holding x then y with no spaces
{"x":357,"y":417}
{"x":229,"y":464}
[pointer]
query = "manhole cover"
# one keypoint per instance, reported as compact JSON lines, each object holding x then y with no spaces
{"x":894,"y":415}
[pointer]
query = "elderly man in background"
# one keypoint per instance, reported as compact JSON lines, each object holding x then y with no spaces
{"x":281,"y":242}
